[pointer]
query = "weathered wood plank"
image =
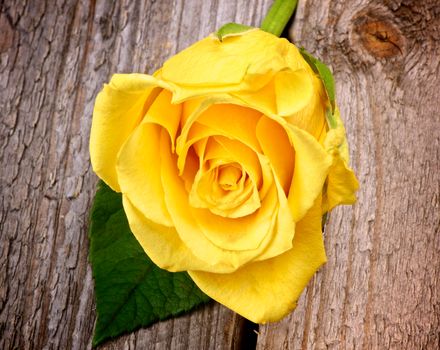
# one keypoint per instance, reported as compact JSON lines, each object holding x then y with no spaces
{"x":54,"y":58}
{"x":381,"y":286}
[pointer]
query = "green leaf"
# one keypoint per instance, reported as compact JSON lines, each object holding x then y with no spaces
{"x":232,"y":29}
{"x":324,"y":73}
{"x":131,"y":291}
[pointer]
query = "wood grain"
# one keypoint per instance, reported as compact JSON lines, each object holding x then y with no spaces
{"x":380,"y":288}
{"x":54,"y":58}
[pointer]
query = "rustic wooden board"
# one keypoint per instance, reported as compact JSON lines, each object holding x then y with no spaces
{"x":380,"y":288}
{"x":54,"y":59}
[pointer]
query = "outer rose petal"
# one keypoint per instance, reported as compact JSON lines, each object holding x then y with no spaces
{"x":311,"y":118}
{"x":139,"y":173}
{"x":341,"y":184}
{"x":164,"y":113}
{"x":263,"y":100}
{"x":312,"y":165}
{"x":266,"y":291}
{"x":162,"y":244}
{"x":293,"y":90}
{"x":138,"y":164}
{"x":119,"y":107}
{"x":240,"y":63}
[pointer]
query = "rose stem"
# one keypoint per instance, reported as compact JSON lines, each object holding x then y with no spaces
{"x":278,"y":16}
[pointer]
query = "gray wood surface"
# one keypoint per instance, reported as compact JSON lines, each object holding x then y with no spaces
{"x":380,"y":288}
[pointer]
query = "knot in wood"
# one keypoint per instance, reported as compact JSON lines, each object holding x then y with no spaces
{"x":379,"y":36}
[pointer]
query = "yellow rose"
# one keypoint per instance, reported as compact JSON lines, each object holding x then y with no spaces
{"x":226,"y":165}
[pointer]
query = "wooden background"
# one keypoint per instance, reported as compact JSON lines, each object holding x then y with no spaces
{"x":380,"y":288}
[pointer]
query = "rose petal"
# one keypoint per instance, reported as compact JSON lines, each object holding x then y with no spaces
{"x":190,"y":170}
{"x":238,"y":63}
{"x":231,"y":233}
{"x":162,"y":244}
{"x":268,"y":290}
{"x":139,"y":173}
{"x":263,"y":100}
{"x":239,"y":234}
{"x":277,"y":147}
{"x":293,"y":90}
{"x":210,"y":62}
{"x":341,"y":185}
{"x":189,"y":108}
{"x":196,"y":142}
{"x":191,"y":112}
{"x":138,"y":164}
{"x":119,"y":107}
{"x":311,"y":117}
{"x":312,"y":165}
{"x":233,"y":121}
{"x":207,"y":62}
{"x":284,"y":229}
{"x":166,"y":114}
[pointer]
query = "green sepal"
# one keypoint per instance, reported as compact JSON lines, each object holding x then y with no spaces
{"x":324,"y":74}
{"x":330,"y":117}
{"x":232,"y":29}
{"x":130,"y":290}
